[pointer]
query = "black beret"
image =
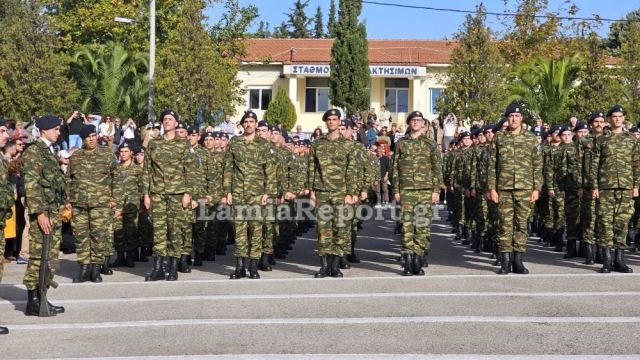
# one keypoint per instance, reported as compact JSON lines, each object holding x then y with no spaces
{"x":169,"y":112}
{"x":275,"y":128}
{"x":208,"y":134}
{"x":306,"y":142}
{"x":193,"y":130}
{"x":554,"y":128}
{"x":634,"y":130}
{"x":125,"y":145}
{"x":596,"y":115}
{"x":453,"y":142}
{"x":263,"y":123}
{"x":224,"y":136}
{"x":487,"y":128}
{"x":580,"y":126}
{"x":476,"y":131}
{"x":331,"y":112}
{"x":565,"y":128}
{"x":347,"y":123}
{"x":181,"y":125}
{"x":249,"y":115}
{"x":463,"y":135}
{"x":414,"y":114}
{"x":615,"y":108}
{"x":139,"y":150}
{"x":47,"y":122}
{"x":513,"y":108}
{"x":87,"y":130}
{"x":538,"y":133}
{"x":288,"y":140}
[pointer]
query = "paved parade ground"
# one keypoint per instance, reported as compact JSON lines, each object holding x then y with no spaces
{"x":460,"y":309}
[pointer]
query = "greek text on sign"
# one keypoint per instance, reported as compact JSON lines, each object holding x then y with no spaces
{"x":375,"y":70}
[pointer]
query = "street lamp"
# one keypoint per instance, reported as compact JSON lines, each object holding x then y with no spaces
{"x":152,"y":54}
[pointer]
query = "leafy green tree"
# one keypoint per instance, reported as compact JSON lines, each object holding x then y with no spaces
{"x":318,"y":24}
{"x":112,"y":80}
{"x":630,"y":71}
{"x":263,"y":31}
{"x":332,"y":23}
{"x":350,"y":82}
{"x":619,"y":31}
{"x":298,"y":20}
{"x":475,"y":85}
{"x":545,"y":85}
{"x":281,"y":32}
{"x":34,"y":78}
{"x":281,"y":111}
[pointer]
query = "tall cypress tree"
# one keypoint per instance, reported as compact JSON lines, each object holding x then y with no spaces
{"x":331,"y":25}
{"x":298,"y":20}
{"x":349,"y":83}
{"x":318,"y":25}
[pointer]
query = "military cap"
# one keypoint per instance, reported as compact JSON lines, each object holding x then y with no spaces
{"x":169,"y":112}
{"x":288,"y":140}
{"x":47,"y":122}
{"x":634,"y":130}
{"x":564,"y":129}
{"x":453,"y":142}
{"x":139,"y":150}
{"x":297,"y":142}
{"x":538,"y":133}
{"x":475,"y":132}
{"x":263,"y":123}
{"x":580,"y":126}
{"x":489,"y":128}
{"x":512,"y":109}
{"x":596,"y":115}
{"x":249,"y":115}
{"x":306,"y":142}
{"x":224,"y":135}
{"x":87,"y":130}
{"x":554,"y":128}
{"x":347,"y":123}
{"x":125,"y":145}
{"x":181,"y":125}
{"x":208,"y":134}
{"x":614,"y":109}
{"x":331,"y":112}
{"x":193,"y":130}
{"x":275,"y":128}
{"x":415,"y":114}
{"x":463,"y":135}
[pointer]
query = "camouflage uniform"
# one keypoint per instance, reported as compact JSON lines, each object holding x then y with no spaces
{"x":569,"y":180}
{"x":195,"y":231}
{"x":125,"y":230}
{"x":7,"y":202}
{"x":216,"y":227}
{"x":554,"y":222}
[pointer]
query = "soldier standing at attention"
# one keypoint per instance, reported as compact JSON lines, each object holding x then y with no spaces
{"x":615,"y":172}
{"x":514,"y":179}
{"x":331,"y":183}
{"x":167,"y":186}
{"x":217,"y":228}
{"x":569,"y":179}
{"x":125,"y":230}
{"x":416,"y":182}
{"x":145,"y":229}
{"x":6,"y":196}
{"x":46,"y":195}
{"x":93,"y":192}
{"x":270,"y":225}
{"x":249,"y":181}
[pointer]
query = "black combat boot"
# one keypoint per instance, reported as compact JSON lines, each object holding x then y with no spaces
{"x":547,"y":235}
{"x":95,"y":273}
{"x":417,"y":265}
{"x":33,"y":303}
{"x":157,"y":272}
{"x":571,"y":250}
{"x":130,"y":259}
{"x":619,"y":264}
{"x":465,"y":235}
{"x":55,"y":310}
{"x":505,"y":265}
{"x":335,"y":266}
{"x":183,"y":266}
{"x":264,"y":263}
{"x":407,"y":264}
{"x":324,"y":268}
{"x":120,"y":261}
{"x":558,"y":241}
{"x":253,"y":269}
{"x":599,"y":254}
{"x":240,"y":271}
{"x":105,"y":268}
{"x":173,"y":267}
{"x":518,"y":266}
{"x":343,"y":263}
{"x":144,"y":254}
{"x":425,"y":256}
{"x":353,"y":258}
{"x":589,"y":254}
{"x":606,"y":261}
{"x":271,"y":259}
{"x":458,"y":236}
{"x":4,"y":330}
{"x":197,"y":259}
{"x":83,"y":275}
{"x":476,"y":242}
{"x":582,"y":251}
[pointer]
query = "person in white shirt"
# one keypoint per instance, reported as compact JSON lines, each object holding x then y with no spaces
{"x":384,"y":118}
{"x":448,"y":130}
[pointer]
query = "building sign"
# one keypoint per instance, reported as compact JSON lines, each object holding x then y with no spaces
{"x":375,"y":70}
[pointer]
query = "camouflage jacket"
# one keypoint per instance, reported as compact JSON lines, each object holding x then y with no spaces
{"x":480,"y":167}
{"x":416,"y":165}
{"x":93,"y":180}
{"x":448,"y":160}
{"x":6,"y":193}
{"x":200,"y":157}
{"x":214,"y":175}
{"x":129,"y":178}
{"x":616,"y":162}
{"x":568,"y":170}
{"x":549,"y":167}
{"x":168,"y":167}
{"x":332,"y":166}
{"x":513,"y":162}
{"x":44,"y":181}
{"x":249,"y":169}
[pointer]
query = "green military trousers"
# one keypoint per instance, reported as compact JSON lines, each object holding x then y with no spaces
{"x":614,"y":211}
{"x":415,"y":216}
{"x":514,"y":207}
{"x":93,"y":230}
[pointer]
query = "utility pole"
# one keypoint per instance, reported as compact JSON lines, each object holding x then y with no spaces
{"x":152,"y":57}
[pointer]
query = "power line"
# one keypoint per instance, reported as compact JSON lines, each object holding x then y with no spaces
{"x":489,"y":12}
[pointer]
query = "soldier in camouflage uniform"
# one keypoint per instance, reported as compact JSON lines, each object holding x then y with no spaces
{"x":94,"y":193}
{"x":461,"y":185}
{"x":447,"y":160}
{"x":477,"y":181}
{"x":568,"y":173}
{"x":554,"y":222}
{"x":205,"y":246}
{"x":615,"y":172}
{"x":46,"y":195}
{"x":125,"y":230}
{"x":514,"y":180}
{"x":167,"y":186}
{"x":332,"y":184}
{"x":493,"y":216}
{"x":270,"y":231}
{"x":249,"y":181}
{"x":145,"y":229}
{"x":416,"y":182}
{"x":6,"y":198}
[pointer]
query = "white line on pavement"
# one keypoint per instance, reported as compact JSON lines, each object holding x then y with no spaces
{"x":183,"y":298}
{"x":332,"y":321}
{"x":376,"y":357}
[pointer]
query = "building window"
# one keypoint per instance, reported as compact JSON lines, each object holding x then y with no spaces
{"x":316,"y":95}
{"x":259,"y":99}
{"x":434,"y":95}
{"x":396,"y":95}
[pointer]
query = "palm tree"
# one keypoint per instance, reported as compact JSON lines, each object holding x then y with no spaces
{"x":545,"y":85}
{"x":111,"y":80}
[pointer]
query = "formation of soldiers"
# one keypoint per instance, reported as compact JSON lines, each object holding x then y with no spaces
{"x":189,"y":194}
{"x":578,"y":184}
